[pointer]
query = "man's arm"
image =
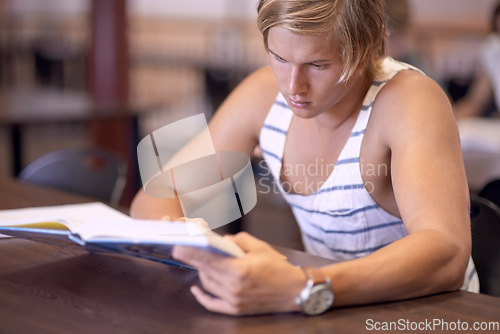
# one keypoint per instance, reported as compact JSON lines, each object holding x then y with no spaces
{"x":477,"y":98}
{"x":235,"y":127}
{"x":432,"y":196}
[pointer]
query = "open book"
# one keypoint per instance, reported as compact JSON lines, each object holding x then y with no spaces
{"x":98,"y":227}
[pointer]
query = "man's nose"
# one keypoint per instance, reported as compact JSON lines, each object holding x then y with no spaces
{"x":297,"y":82}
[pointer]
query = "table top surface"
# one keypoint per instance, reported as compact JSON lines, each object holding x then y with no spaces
{"x":49,"y":289}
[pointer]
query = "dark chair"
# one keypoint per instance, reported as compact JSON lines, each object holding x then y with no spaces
{"x":485,"y":218}
{"x":92,"y":172}
{"x":491,"y":191}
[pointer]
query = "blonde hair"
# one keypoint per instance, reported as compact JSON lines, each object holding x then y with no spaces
{"x":359,"y":26}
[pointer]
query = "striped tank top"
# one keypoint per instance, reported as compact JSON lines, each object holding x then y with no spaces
{"x":340,"y":220}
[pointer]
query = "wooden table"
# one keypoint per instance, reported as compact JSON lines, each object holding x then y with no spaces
{"x":46,"y":289}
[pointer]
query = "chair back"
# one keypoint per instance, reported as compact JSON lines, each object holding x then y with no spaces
{"x":491,"y":191}
{"x":93,"y":172}
{"x":485,"y":219}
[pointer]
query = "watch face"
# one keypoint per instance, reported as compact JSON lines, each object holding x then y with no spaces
{"x":320,"y":300}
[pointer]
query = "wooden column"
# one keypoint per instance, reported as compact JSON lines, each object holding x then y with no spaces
{"x":109,"y":85}
{"x":109,"y":57}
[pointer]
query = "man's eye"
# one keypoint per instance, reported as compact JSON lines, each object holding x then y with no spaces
{"x":318,"y":66}
{"x":278,"y":58}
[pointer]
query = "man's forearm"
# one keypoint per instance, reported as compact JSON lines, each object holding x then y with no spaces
{"x":146,"y":207}
{"x":420,"y":264}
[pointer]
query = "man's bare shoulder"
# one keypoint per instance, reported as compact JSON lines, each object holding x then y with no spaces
{"x":259,"y":88}
{"x":251,"y":100}
{"x":412,"y":103}
{"x":237,"y":123}
{"x":263,"y":78}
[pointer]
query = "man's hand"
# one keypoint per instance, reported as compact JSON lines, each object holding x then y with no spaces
{"x":263,"y":281}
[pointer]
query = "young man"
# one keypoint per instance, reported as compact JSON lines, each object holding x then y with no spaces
{"x":395,"y":209}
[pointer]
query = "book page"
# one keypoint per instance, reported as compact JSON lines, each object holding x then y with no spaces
{"x":138,"y":230}
{"x":56,"y":218}
{"x":157,"y":234}
{"x":48,"y":223}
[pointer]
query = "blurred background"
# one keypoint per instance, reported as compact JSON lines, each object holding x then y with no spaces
{"x":79,"y":73}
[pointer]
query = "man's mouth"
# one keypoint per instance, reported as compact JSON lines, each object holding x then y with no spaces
{"x":299,"y":103}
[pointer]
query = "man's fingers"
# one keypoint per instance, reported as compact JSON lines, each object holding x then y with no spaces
{"x":199,"y":258}
{"x":216,"y":287}
{"x":249,"y":243}
{"x":216,"y":273}
{"x":213,"y":304}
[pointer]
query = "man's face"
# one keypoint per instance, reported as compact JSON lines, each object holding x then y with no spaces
{"x":307,"y":69}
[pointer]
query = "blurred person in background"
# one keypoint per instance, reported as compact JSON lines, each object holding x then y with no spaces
{"x":486,"y":85}
{"x":402,"y":43}
{"x":399,"y":41}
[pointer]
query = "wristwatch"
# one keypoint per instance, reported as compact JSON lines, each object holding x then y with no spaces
{"x":317,"y":296}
